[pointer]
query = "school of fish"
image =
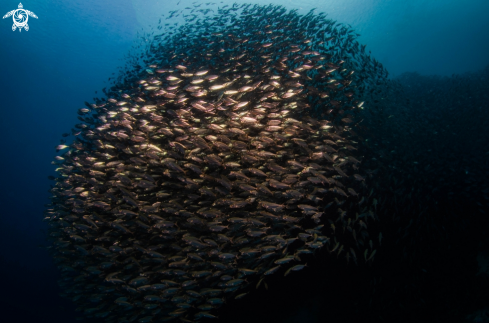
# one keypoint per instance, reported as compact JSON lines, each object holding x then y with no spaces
{"x":229,"y":156}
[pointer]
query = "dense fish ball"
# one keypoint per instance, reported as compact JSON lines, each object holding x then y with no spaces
{"x":227,"y":159}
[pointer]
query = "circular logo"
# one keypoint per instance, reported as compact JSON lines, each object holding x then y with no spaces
{"x":20,"y":17}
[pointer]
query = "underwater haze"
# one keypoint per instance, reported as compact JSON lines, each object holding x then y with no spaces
{"x":274,"y":161}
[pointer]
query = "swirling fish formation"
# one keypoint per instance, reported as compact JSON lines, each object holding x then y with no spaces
{"x":208,"y":171}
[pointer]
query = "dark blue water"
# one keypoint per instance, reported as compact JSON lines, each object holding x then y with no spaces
{"x":72,"y":49}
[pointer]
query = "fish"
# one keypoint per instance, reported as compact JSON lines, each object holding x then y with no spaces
{"x":213,"y":165}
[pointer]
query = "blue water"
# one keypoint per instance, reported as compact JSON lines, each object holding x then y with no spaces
{"x":71,"y":50}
